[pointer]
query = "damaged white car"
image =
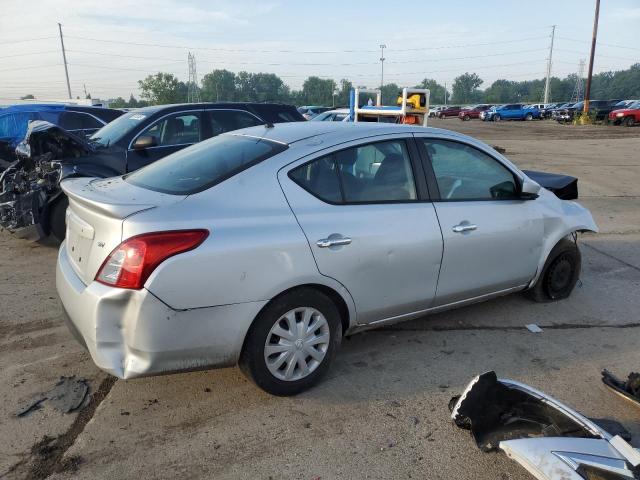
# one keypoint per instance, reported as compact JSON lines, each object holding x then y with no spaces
{"x":265,"y":246}
{"x":549,"y":439}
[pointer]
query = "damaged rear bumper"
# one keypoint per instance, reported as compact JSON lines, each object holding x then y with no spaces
{"x":549,"y":439}
{"x":131,"y":333}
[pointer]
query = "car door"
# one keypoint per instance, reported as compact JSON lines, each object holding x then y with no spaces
{"x":370,"y":225}
{"x":492,"y":238}
{"x":172,"y":132}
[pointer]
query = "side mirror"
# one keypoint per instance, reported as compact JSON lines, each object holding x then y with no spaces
{"x":530,"y":189}
{"x":144,"y":141}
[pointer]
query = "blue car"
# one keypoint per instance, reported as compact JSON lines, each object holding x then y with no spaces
{"x":77,"y":119}
{"x":512,"y":111}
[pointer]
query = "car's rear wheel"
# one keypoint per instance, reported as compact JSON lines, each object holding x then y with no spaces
{"x":292,"y":342}
{"x":57,"y":214}
{"x":559,"y":274}
{"x":629,"y":122}
{"x":528,"y":116}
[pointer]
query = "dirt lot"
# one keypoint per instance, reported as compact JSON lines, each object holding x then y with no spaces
{"x":382,"y":413}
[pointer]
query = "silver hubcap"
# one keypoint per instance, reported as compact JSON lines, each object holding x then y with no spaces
{"x":297,"y":344}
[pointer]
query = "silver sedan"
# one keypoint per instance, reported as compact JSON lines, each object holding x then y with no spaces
{"x":265,"y":246}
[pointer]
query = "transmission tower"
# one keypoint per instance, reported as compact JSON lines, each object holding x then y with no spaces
{"x":578,"y":90}
{"x":193,"y":92}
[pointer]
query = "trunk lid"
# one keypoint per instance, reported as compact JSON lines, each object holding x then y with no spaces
{"x":97,"y":208}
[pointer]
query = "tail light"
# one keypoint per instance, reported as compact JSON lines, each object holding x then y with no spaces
{"x":130,"y":263}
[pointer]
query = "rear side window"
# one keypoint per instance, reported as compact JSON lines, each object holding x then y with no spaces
{"x":204,"y":164}
{"x":228,"y":120}
{"x":371,"y":173}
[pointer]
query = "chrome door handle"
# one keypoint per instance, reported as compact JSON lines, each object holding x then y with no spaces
{"x":333,"y":242}
{"x":464,"y":227}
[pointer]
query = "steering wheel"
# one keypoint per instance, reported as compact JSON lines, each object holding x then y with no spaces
{"x":453,"y":188}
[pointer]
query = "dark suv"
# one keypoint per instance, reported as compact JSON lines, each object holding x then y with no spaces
{"x":31,"y":200}
{"x":600,"y":109}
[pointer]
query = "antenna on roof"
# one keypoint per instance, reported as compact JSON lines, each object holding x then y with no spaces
{"x":268,"y":125}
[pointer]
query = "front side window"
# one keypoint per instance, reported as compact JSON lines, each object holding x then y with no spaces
{"x":176,"y":129}
{"x":204,"y":164}
{"x":376,"y":172}
{"x":465,"y":173}
{"x":228,"y":120}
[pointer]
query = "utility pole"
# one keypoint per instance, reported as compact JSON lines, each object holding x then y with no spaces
{"x":587,"y":90}
{"x":546,"y":85}
{"x":382,"y":47}
{"x":445,"y":94}
{"x":64,"y":58}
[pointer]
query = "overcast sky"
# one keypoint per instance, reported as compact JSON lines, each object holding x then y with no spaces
{"x":113,"y":43}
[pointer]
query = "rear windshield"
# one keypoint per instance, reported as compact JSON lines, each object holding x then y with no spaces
{"x":204,"y":164}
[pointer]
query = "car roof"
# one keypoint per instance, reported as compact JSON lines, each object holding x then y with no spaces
{"x":195,"y":106}
{"x":55,"y":107}
{"x":331,"y":132}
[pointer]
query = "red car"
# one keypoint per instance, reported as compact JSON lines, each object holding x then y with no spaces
{"x":472,"y":112}
{"x":628,"y":116}
{"x":451,"y":111}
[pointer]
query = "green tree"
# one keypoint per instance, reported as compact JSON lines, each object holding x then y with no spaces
{"x":163,"y":88}
{"x":219,"y":86}
{"x":117,"y":102}
{"x":344,"y":90}
{"x":436,"y":91}
{"x":389,"y":93}
{"x":465,"y":88}
{"x":318,"y":91}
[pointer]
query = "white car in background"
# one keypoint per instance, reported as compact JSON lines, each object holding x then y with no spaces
{"x":337,"y":115}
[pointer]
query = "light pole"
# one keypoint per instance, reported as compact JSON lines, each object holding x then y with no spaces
{"x":382,"y":47}
{"x":335,"y":94}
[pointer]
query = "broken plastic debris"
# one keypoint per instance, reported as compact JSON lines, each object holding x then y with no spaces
{"x":67,"y":395}
{"x":629,"y":389}
{"x":546,"y":437}
{"x":533,"y":328}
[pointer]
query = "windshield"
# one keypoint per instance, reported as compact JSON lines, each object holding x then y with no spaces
{"x":635,"y":105}
{"x":114,"y":131}
{"x":204,"y":164}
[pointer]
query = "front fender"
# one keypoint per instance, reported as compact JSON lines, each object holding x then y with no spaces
{"x":561,"y":218}
{"x":74,"y":170}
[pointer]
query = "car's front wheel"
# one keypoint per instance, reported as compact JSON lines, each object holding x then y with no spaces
{"x":528,"y":116}
{"x":559,"y":274}
{"x":466,"y":118}
{"x":497,"y":117}
{"x":629,"y":122}
{"x":292,"y":342}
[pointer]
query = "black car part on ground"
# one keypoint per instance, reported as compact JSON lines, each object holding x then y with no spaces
{"x":549,"y":439}
{"x":30,"y":184}
{"x":629,"y":388}
{"x":564,"y":187}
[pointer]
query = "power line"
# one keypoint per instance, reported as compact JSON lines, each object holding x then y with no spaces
{"x":13,"y":42}
{"x":239,"y":50}
{"x":29,"y":53}
{"x":600,"y":43}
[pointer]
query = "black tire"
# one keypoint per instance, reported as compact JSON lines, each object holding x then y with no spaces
{"x":559,"y":274}
{"x":442,"y":116}
{"x":466,"y":118}
{"x":528,"y":116}
{"x":252,"y":359}
{"x":629,"y":122}
{"x":57,"y":218}
{"x":497,"y":117}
